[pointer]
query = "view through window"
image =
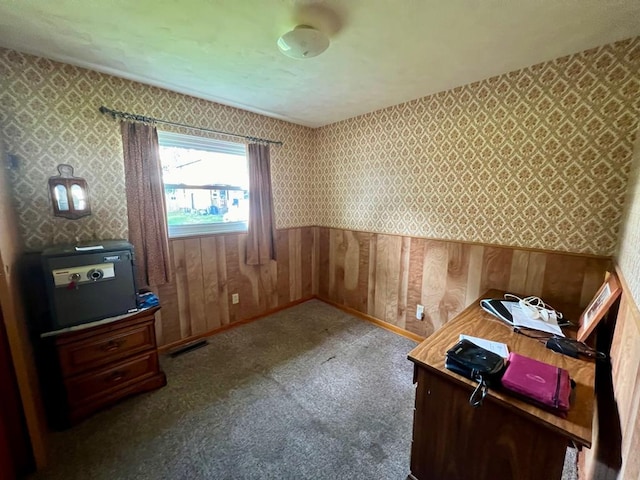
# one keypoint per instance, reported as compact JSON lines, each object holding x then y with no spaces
{"x":206,"y":184}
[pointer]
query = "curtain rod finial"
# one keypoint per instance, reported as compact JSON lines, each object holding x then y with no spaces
{"x":107,"y":111}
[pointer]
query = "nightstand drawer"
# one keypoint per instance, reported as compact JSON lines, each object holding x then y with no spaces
{"x":77,"y":357}
{"x":91,"y":386}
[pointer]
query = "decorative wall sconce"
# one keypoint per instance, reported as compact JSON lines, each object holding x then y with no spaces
{"x":69,"y":194}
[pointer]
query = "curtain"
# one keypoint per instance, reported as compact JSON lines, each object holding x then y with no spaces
{"x":145,"y":203}
{"x":261,"y":234}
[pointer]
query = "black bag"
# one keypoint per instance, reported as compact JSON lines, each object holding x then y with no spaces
{"x":471,"y":361}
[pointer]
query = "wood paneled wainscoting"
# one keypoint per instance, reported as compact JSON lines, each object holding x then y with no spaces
{"x":380,"y":276}
{"x":209,"y":269}
{"x":616,"y":425}
{"x":387,"y":276}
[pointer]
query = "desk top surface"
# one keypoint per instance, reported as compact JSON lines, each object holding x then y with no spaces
{"x":478,"y":323}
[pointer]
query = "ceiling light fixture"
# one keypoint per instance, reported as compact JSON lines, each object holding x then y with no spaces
{"x":303,"y":42}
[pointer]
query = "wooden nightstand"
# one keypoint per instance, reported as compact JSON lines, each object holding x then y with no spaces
{"x":92,"y":368}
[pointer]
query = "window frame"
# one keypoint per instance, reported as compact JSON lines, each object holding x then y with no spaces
{"x":180,"y":140}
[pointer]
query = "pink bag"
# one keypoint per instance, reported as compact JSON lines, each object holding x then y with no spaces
{"x":545,"y":385}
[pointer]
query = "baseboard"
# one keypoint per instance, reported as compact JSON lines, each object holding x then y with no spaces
{"x":192,"y":338}
{"x":351,"y":311}
{"x":363,"y":316}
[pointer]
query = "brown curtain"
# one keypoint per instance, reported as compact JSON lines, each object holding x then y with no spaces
{"x":145,"y":203}
{"x":261,"y":236}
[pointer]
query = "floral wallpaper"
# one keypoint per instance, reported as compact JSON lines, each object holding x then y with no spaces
{"x":536,"y":158}
{"x":49,"y":115}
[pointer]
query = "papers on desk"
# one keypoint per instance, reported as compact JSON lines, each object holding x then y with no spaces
{"x":522,"y":319}
{"x":495,"y":347}
{"x":510,"y":312}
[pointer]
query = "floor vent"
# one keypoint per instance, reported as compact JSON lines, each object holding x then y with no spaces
{"x":187,"y":348}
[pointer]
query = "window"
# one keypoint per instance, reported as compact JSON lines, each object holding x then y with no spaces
{"x":206,"y":184}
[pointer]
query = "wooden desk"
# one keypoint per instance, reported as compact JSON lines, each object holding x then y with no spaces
{"x":505,"y":438}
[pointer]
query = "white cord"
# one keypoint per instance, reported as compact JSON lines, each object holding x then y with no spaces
{"x":536,"y":308}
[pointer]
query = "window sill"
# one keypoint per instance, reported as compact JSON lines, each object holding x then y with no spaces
{"x":195,"y":230}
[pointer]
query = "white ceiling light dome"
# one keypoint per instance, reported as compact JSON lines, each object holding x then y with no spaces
{"x":303,"y":42}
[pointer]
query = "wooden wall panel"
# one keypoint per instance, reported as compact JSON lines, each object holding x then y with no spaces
{"x":307,"y":258}
{"x":323,"y":262}
{"x":294,"y":266}
{"x":474,"y":275}
{"x":295,"y":259}
{"x":631,"y":465}
{"x":387,"y":276}
{"x":210,"y":284}
{"x":414,"y":288}
{"x":282,"y":253}
{"x":357,"y":270}
{"x":268,"y":286}
{"x":182,"y":287}
{"x":15,"y":324}
{"x":403,"y":286}
{"x":496,"y":268}
{"x":168,"y":330}
{"x":616,"y":443}
{"x":209,"y":269}
{"x":454,"y":299}
{"x":535,"y":275}
{"x":563,"y":278}
{"x":518,"y":273}
{"x":434,"y":282}
{"x":384,"y":276}
{"x":625,"y":364}
{"x":371,"y":280}
{"x":315,"y":260}
{"x":223,"y":284}
{"x":193,"y":262}
{"x":336,"y":264}
{"x":625,"y":354}
{"x":592,"y":280}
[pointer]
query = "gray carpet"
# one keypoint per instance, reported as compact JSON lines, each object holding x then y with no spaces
{"x":309,"y":392}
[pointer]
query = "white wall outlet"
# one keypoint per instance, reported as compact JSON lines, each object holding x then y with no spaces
{"x":420,"y":312}
{"x":235,"y":298}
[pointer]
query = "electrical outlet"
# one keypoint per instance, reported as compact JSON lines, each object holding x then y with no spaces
{"x":235,"y":298}
{"x":420,"y":312}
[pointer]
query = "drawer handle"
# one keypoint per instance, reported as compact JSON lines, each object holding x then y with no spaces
{"x":111,"y":346}
{"x":116,"y":376}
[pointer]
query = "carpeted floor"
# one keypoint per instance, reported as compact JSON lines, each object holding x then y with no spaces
{"x":309,"y":392}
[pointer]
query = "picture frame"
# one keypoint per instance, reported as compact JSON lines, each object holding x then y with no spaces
{"x":608,"y":292}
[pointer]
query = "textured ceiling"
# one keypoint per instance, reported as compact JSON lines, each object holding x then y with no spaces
{"x":383,"y":52}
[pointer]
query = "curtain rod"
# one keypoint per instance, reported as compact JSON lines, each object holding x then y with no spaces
{"x":142,"y":118}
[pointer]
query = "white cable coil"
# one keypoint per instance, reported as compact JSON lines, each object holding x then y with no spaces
{"x":535,"y":308}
